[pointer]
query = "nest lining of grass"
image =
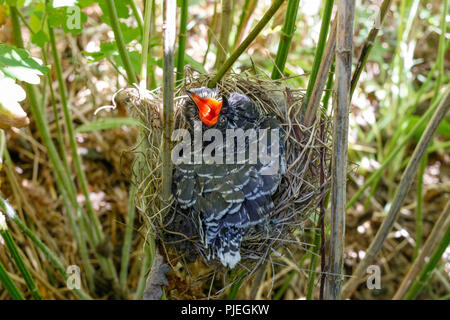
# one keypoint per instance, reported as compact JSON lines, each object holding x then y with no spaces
{"x":303,"y":186}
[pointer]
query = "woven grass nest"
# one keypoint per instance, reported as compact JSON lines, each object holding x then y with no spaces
{"x":304,"y":184}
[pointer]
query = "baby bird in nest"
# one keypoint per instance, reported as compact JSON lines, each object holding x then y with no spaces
{"x":227,"y":170}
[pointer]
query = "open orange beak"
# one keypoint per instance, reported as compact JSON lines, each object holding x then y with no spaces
{"x":208,"y":108}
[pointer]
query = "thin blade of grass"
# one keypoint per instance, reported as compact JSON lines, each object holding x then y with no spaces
{"x":14,"y":251}
{"x":11,"y":214}
{"x":107,"y":123}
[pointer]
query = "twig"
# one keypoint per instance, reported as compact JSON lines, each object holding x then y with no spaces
{"x":400,"y":195}
{"x":344,"y":44}
{"x":247,"y":41}
{"x":433,"y":240}
{"x":170,"y":10}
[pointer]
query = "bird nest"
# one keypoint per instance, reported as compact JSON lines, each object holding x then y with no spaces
{"x":302,"y":188}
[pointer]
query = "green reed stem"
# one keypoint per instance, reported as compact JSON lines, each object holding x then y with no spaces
{"x":285,"y":39}
{"x":182,"y":40}
{"x":247,"y":41}
{"x":112,"y":12}
{"x":326,"y":18}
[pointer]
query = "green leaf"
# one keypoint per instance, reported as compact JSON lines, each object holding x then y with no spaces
{"x":444,"y":128}
{"x":17,"y":64}
{"x":121,"y":8}
{"x":129,"y":33}
{"x":70,"y":18}
{"x":35,"y":21}
{"x":195,"y":64}
{"x":107,"y":123}
{"x":40,"y":38}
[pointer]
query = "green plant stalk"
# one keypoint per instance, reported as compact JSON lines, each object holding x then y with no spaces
{"x":112,"y":12}
{"x":247,"y":41}
{"x":145,"y":42}
{"x":147,"y":261}
{"x":62,"y":180}
{"x":419,"y":218}
{"x":127,"y":239}
{"x":441,"y":52}
{"x":137,"y":14}
{"x":394,"y":152}
{"x":326,"y":18}
{"x":152,"y":80}
{"x":241,"y":22}
{"x":12,"y":247}
{"x":418,"y":285}
{"x":182,"y":41}
{"x":285,"y":39}
{"x":328,"y":87}
{"x":59,"y":133}
{"x":312,"y":273}
{"x":6,"y":207}
{"x":93,"y":220}
{"x":9,"y":284}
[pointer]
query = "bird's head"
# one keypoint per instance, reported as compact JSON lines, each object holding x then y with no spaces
{"x":206,"y":105}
